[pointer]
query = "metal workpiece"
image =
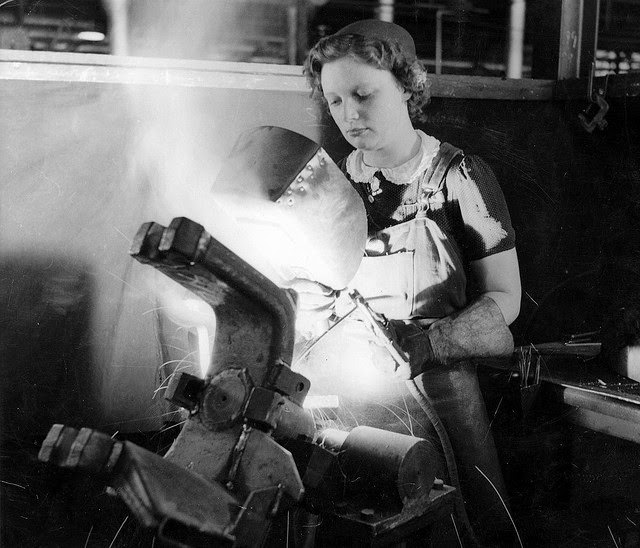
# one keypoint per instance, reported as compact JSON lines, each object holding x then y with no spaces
{"x":332,"y":439}
{"x":248,"y":448}
{"x":284,"y":418}
{"x":254,"y":316}
{"x":295,"y":422}
{"x":204,"y":451}
{"x":322,"y":472}
{"x":260,"y":462}
{"x":186,"y":508}
{"x":264,"y":408}
{"x":84,"y":449}
{"x":145,"y":481}
{"x":230,"y":398}
{"x":286,"y":381}
{"x":383,"y":461}
{"x":224,"y":399}
{"x":249,"y":392}
{"x":185,"y":390}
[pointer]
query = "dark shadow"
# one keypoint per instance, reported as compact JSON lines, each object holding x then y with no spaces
{"x":45,"y":319}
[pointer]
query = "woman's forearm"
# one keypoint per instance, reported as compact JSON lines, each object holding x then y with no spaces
{"x":508,"y":303}
{"x":498,"y":277}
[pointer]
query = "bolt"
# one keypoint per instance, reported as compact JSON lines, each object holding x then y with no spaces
{"x":367,"y":513}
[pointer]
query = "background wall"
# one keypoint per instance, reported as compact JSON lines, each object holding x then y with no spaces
{"x":574,"y":199}
{"x":89,"y":153}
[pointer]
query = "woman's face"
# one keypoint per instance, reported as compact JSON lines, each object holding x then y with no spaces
{"x":366,"y":103}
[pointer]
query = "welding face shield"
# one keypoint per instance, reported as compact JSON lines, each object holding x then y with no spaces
{"x":293,"y":202}
{"x":285,"y":207}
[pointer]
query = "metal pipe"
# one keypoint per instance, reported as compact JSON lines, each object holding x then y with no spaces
{"x":118,"y":11}
{"x":385,"y":9}
{"x":601,"y":404}
{"x":292,"y":38}
{"x":570,"y":39}
{"x":516,"y":38}
{"x":439,"y":14}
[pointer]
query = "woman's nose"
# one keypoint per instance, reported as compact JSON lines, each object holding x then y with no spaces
{"x":350,"y":111}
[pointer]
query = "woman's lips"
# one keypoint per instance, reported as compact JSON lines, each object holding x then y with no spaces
{"x":356,"y":132}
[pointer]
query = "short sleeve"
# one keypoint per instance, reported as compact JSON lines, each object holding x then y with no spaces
{"x":484,"y":212}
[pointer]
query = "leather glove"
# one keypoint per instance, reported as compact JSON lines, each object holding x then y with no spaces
{"x":415,"y":341}
{"x":477,"y":331}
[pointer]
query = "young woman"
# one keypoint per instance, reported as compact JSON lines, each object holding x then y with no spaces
{"x":437,"y":219}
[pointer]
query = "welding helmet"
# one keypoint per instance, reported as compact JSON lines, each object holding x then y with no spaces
{"x":289,"y":197}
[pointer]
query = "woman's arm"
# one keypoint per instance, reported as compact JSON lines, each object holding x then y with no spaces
{"x":498,"y":277}
{"x":478,"y":330}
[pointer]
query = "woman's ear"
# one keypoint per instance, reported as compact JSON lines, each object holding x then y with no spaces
{"x":406,"y":95}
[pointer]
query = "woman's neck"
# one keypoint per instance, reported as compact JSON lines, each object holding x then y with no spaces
{"x":399,"y":152}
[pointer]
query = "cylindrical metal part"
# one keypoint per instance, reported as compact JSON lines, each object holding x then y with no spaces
{"x":292,"y":24}
{"x":438,"y":60}
{"x":295,"y":422}
{"x":332,"y":439}
{"x":224,"y":399}
{"x":516,"y":38}
{"x":385,"y":10}
{"x":118,"y":11}
{"x":570,"y":39}
{"x":375,"y":459}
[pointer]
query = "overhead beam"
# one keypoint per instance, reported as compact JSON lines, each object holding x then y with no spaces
{"x":75,"y":67}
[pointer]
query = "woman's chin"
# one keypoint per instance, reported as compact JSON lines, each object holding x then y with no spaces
{"x":361,"y":142}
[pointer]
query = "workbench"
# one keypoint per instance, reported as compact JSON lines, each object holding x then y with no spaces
{"x":593,"y":395}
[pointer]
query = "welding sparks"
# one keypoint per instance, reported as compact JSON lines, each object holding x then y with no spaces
{"x":455,"y":527}
{"x":13,"y":484}
{"x":612,"y":537}
{"x":86,"y":542}
{"x":503,"y":504}
{"x":118,"y":531}
{"x":532,"y":299}
{"x":127,"y":239}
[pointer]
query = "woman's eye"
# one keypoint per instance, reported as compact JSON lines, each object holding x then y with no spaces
{"x":334,"y":102}
{"x":362,"y":96}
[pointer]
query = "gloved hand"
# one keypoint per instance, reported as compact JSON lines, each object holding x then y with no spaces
{"x":477,"y":331}
{"x":414,"y":340}
{"x":314,"y":306}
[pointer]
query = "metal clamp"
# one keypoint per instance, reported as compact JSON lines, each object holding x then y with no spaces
{"x":592,"y":117}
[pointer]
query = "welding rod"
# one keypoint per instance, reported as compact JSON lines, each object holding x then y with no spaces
{"x":377,"y":324}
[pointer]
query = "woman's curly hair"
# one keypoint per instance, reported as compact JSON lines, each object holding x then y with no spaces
{"x":381,"y":54}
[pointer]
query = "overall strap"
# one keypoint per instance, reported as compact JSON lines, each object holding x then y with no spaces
{"x":434,"y":180}
{"x":448,"y":157}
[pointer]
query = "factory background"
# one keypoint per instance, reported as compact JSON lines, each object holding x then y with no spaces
{"x":118,"y":112}
{"x":453,"y":37}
